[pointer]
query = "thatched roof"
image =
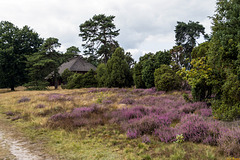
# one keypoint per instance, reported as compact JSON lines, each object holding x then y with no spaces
{"x":76,"y":64}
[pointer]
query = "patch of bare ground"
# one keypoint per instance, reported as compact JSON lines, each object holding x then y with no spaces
{"x":15,"y":146}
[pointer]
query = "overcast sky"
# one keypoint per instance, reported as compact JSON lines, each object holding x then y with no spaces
{"x":145,"y":25}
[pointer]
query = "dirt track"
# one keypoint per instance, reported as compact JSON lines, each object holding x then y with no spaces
{"x":14,"y":146}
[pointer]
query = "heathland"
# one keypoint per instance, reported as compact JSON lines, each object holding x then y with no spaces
{"x":111,"y":123}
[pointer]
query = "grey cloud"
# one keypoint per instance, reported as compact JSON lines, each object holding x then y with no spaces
{"x":137,"y":19}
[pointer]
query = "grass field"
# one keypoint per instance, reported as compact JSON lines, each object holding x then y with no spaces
{"x":118,"y":124}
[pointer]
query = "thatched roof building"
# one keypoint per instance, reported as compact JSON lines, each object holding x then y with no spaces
{"x":76,"y":64}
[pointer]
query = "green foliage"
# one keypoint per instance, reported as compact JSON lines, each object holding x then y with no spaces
{"x":71,"y":52}
{"x":78,"y":80}
{"x":36,"y":85}
{"x":201,"y":50}
{"x":75,"y":81}
{"x":179,"y":138}
{"x":44,"y":62}
{"x":200,"y":78}
{"x":118,"y":71}
{"x":148,"y":73}
{"x":186,"y":35}
{"x":98,"y":33}
{"x":166,"y":79}
{"x":228,"y":108}
{"x":89,"y":79}
{"x":143,"y":72}
{"x":186,"y":98}
{"x":101,"y":75}
{"x":137,"y":76}
{"x":15,"y":44}
{"x":65,"y":76}
{"x":224,"y":58}
{"x":162,"y":57}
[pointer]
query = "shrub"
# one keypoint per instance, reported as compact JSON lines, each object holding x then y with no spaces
{"x":65,"y":75}
{"x":132,"y":133}
{"x":127,"y":101}
{"x":75,"y":81}
{"x":146,"y":139}
{"x":206,"y":112}
{"x":229,"y":142}
{"x":82,"y":80}
{"x":195,"y":129}
{"x":148,"y":123}
{"x":118,"y":70}
{"x":89,"y":79}
{"x":165,"y":134}
{"x":59,"y":97}
{"x":101,"y":75}
{"x":137,"y":76}
{"x":165,"y":79}
{"x":40,"y":106}
{"x":24,"y":99}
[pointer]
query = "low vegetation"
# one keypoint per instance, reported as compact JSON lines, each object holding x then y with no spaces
{"x":110,"y":123}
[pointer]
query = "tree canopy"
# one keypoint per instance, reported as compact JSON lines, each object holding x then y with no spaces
{"x":15,"y":44}
{"x":186,"y":35}
{"x":98,"y":35}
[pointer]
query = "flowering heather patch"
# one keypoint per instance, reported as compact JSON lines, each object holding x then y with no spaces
{"x":132,"y":133}
{"x":80,"y":112}
{"x":196,"y":129}
{"x":149,"y":101}
{"x":229,"y":142}
{"x":146,"y":139}
{"x":92,"y":115}
{"x":127,"y":101}
{"x":40,"y":106}
{"x":59,"y":97}
{"x":150,"y":91}
{"x":10,"y":113}
{"x":206,"y":112}
{"x":96,"y":90}
{"x":107,"y":101}
{"x":24,"y":99}
{"x":125,"y":114}
{"x":60,"y":117}
{"x":165,"y":134}
{"x":161,"y":116}
{"x":192,"y":107}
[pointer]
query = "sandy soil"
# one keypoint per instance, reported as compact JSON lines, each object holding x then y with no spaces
{"x":14,"y":146}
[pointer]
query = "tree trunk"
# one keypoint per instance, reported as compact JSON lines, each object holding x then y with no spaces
{"x":55,"y":80}
{"x":12,"y":88}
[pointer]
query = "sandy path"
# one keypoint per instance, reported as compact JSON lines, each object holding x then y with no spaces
{"x":13,"y":146}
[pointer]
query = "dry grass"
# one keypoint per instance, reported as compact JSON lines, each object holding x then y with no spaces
{"x":100,"y":142}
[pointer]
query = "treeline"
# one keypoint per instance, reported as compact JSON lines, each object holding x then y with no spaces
{"x":211,"y":69}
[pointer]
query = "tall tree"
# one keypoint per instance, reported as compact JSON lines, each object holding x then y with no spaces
{"x":15,"y":44}
{"x":44,"y":62}
{"x":224,"y":58}
{"x":118,"y":70}
{"x":98,"y":33}
{"x":186,"y":35}
{"x":71,"y":52}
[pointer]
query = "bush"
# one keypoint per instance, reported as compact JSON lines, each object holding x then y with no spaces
{"x":101,"y":75}
{"x":137,"y":76}
{"x":165,"y":79}
{"x":82,"y":80}
{"x":75,"y":81}
{"x":228,"y":108}
{"x":65,"y":75}
{"x":229,"y":142}
{"x":118,"y":70}
{"x":89,"y":79}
